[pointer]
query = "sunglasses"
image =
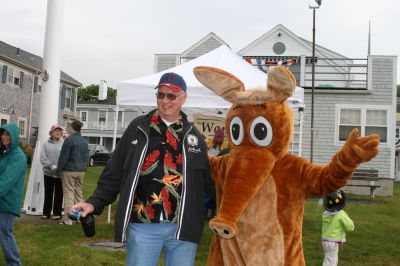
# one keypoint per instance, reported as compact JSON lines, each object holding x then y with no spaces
{"x":170,"y":96}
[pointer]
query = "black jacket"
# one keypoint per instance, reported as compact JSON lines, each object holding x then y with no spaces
{"x":121,"y":175}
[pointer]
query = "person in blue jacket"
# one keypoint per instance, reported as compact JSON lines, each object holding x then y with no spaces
{"x":71,"y":167}
{"x":12,"y":174}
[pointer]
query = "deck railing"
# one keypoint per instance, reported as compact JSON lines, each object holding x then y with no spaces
{"x":330,"y":73}
{"x":104,"y":126}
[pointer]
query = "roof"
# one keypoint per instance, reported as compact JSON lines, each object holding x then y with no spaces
{"x":216,"y":42}
{"x":324,"y":50}
{"x":301,"y":41}
{"x":29,"y":61}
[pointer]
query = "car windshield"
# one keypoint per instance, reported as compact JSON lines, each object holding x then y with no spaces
{"x":104,"y":149}
{"x":92,"y":147}
{"x":96,"y":147}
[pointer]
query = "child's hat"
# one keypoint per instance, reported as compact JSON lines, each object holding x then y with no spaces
{"x":335,"y":201}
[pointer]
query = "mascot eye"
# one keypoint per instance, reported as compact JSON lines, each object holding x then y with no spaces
{"x":261,"y":131}
{"x":236,"y":129}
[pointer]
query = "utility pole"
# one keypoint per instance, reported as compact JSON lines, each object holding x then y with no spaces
{"x":313,"y":81}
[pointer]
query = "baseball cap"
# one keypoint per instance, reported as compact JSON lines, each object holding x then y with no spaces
{"x":53,"y":127}
{"x":172,"y":81}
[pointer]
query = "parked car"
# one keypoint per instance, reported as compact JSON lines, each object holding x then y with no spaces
{"x":98,"y":155}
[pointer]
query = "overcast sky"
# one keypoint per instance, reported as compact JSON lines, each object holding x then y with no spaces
{"x":116,"y":40}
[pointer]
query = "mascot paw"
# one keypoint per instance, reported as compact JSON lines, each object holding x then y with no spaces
{"x":223,"y":227}
{"x":361,"y":149}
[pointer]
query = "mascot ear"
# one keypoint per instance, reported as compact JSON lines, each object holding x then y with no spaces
{"x":280,"y":83}
{"x":222,"y":83}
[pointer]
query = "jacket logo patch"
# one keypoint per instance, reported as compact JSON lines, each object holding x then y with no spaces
{"x":134,"y":142}
{"x":195,"y":150}
{"x":192,"y":140}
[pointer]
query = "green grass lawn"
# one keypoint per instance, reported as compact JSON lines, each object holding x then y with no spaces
{"x":375,"y":241}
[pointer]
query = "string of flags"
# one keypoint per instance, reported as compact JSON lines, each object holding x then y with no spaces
{"x":271,"y":61}
{"x":263,"y":64}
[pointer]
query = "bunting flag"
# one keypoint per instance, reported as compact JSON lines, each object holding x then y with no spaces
{"x":259,"y":63}
{"x":289,"y":62}
{"x":263,"y":64}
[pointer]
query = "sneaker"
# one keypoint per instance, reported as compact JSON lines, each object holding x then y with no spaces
{"x":67,"y":222}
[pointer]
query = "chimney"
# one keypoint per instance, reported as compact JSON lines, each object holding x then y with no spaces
{"x":17,"y":51}
{"x":103,"y":90}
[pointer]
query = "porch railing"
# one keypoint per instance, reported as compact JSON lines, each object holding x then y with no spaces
{"x":104,"y":125}
{"x":330,"y":73}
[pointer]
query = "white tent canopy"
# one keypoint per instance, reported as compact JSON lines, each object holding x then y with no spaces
{"x":140,"y":91}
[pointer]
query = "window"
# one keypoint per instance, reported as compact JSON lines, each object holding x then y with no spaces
{"x":102,"y":116}
{"x":10,"y":75}
{"x":22,"y":127}
{"x":68,"y":97}
{"x":120,"y":116}
{"x":376,"y":122}
{"x":368,"y":120}
{"x":83,"y":116}
{"x":14,"y":76}
{"x":4,"y":119}
{"x":349,"y":119}
{"x":37,"y":84}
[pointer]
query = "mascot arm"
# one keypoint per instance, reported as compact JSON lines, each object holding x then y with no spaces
{"x":218,"y":167}
{"x":209,"y":186}
{"x":320,"y":180}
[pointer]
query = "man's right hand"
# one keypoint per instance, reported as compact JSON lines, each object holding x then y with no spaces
{"x":86,"y":208}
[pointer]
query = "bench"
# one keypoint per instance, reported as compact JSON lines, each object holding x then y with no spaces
{"x":366,"y":178}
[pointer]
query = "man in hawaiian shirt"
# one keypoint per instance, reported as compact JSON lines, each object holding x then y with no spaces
{"x":160,"y":169}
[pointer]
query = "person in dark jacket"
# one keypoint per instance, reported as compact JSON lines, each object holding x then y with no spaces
{"x":71,"y":167}
{"x":160,"y":169}
{"x":12,"y":175}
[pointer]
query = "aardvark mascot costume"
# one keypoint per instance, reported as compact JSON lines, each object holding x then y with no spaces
{"x":260,"y":188}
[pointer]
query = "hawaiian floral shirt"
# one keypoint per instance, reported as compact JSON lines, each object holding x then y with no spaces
{"x":160,"y":183}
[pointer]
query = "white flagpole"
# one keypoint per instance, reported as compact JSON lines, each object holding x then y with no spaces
{"x":49,"y":100}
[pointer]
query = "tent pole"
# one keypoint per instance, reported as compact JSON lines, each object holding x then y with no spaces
{"x":301,"y":111}
{"x":115,"y":127}
{"x":113,"y":148}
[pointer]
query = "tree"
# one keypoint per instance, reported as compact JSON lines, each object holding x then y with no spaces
{"x":91,"y":93}
{"x":398,"y":90}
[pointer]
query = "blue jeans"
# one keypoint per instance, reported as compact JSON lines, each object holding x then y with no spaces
{"x":146,"y":241}
{"x":7,"y":239}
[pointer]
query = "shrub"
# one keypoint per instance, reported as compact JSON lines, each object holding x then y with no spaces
{"x":28,"y":150}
